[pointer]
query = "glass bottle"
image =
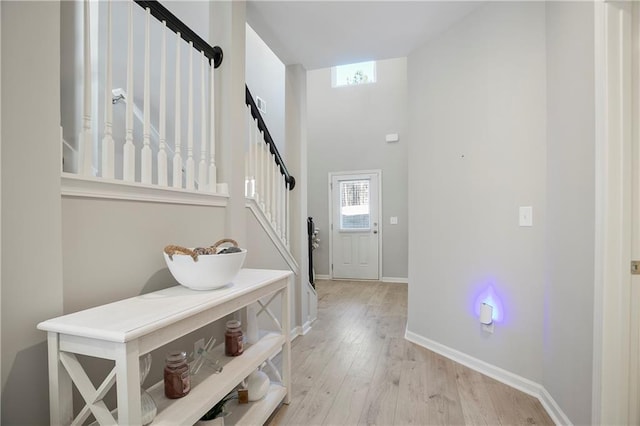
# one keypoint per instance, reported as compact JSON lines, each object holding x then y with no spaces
{"x":233,"y":345}
{"x":149,"y":408}
{"x":177,"y":382}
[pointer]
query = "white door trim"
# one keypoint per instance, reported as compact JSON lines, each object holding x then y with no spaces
{"x":634,"y":231}
{"x":377,"y":172}
{"x":613,"y":214}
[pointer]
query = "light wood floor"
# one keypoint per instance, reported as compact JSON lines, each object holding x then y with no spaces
{"x":355,"y":367}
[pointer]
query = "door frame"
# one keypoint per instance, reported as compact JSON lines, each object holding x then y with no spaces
{"x":612,"y":391}
{"x":377,"y":172}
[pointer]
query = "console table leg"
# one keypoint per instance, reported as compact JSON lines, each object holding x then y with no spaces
{"x":128,"y":383}
{"x":60,"y":386}
{"x":286,"y":330}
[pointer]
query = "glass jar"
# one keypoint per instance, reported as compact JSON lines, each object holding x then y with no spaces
{"x":233,"y":339}
{"x":177,"y":382}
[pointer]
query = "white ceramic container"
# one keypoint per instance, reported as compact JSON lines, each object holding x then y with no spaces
{"x":209,"y":272}
{"x":258,"y":385}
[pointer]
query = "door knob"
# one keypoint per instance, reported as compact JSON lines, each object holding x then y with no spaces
{"x":375,"y":232}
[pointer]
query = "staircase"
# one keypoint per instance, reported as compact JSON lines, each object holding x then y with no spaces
{"x":267,"y":182}
{"x":147,"y":131}
{"x":179,"y":105}
{"x":161,"y":134}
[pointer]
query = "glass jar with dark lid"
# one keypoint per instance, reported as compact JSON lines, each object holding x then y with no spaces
{"x":177,"y":382}
{"x":233,"y":344}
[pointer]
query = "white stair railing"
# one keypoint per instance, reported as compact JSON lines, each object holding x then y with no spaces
{"x":267,"y":180}
{"x":130,"y":156}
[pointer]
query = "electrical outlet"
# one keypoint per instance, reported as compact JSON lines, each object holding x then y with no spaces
{"x":488,"y":327}
{"x":199,"y":344}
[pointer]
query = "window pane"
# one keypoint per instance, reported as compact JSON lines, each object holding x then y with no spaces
{"x":360,"y":73}
{"x":354,"y":205}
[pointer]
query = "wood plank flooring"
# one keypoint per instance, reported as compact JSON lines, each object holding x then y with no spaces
{"x":355,"y":367}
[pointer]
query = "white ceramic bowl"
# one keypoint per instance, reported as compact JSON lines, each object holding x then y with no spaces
{"x":211,"y":271}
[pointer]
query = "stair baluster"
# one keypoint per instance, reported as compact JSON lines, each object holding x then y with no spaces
{"x":262,"y":174}
{"x":203,"y":184}
{"x":145,"y":161}
{"x":162,"y":119}
{"x":177,"y":156}
{"x":108,"y":161}
{"x":213,"y":173}
{"x":272,"y":192}
{"x":129,"y":154}
{"x":86,"y":135}
{"x":287,"y":206}
{"x":190,"y":163}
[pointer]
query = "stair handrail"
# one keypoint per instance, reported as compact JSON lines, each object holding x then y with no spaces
{"x":161,"y":13}
{"x":255,"y":113}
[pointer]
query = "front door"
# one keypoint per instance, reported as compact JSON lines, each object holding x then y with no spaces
{"x":355,"y":226}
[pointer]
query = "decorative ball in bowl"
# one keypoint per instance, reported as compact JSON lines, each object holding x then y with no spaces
{"x":205,"y":268}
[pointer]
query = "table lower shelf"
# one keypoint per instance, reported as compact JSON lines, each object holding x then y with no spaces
{"x":207,"y":388}
{"x":256,"y":412}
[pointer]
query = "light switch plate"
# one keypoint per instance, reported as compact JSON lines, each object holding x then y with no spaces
{"x":393,"y":220}
{"x":526,"y":216}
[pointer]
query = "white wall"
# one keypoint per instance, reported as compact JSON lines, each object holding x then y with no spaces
{"x":228,"y":28}
{"x":71,"y":65}
{"x":477,"y":151}
{"x":113,"y":249}
{"x":195,"y":14}
{"x":284,"y":90}
{"x":569,"y":291}
{"x":346,"y":130}
{"x":31,"y":213}
{"x":297,"y":147}
{"x":265,"y":74}
{"x":1,"y":380}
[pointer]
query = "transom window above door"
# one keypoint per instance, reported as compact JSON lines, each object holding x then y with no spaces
{"x":353,"y":74}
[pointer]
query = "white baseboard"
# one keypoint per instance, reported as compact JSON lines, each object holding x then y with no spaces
{"x":384,"y":279}
{"x":395,"y":280}
{"x":297,"y":331}
{"x":553,"y":409}
{"x":306,"y":328}
{"x":300,"y":330}
{"x":518,"y":382}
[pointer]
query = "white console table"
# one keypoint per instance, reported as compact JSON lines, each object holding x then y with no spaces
{"x":123,"y":331}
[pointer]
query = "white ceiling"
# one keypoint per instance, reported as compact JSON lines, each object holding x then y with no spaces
{"x":320,"y":34}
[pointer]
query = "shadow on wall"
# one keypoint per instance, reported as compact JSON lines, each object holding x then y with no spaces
{"x":26,"y":390}
{"x":160,"y":280}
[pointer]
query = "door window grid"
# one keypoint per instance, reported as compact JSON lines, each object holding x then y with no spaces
{"x":354,"y":205}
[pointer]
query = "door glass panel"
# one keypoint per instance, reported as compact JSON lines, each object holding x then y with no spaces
{"x":354,"y":205}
